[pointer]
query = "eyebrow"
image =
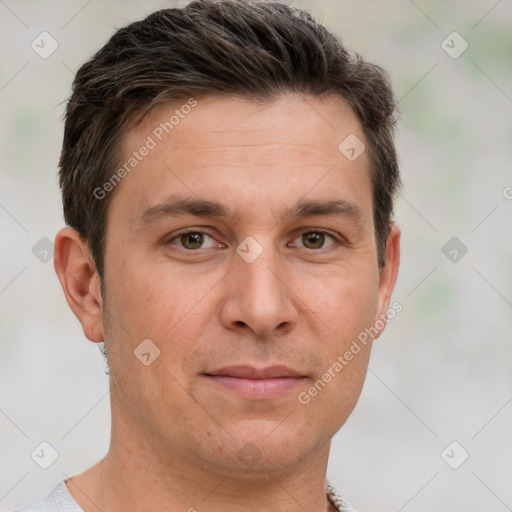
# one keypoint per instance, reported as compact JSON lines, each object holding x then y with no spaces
{"x":176,"y":206}
{"x":335,"y":207}
{"x":179,"y":206}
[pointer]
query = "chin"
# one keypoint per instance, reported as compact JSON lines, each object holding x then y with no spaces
{"x":261,"y":446}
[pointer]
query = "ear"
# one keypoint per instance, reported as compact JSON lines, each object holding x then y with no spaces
{"x":80,"y":281}
{"x":388,"y":275}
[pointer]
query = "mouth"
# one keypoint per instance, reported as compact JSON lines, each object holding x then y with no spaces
{"x":251,"y":382}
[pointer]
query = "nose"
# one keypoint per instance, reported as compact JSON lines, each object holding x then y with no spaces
{"x":259,"y":296}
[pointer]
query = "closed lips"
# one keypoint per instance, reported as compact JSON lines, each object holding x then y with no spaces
{"x":249,"y":372}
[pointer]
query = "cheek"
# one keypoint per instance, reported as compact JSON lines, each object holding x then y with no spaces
{"x":151,"y":299}
{"x":345,"y":302}
{"x":153,"y":302}
{"x":346,"y":306}
{"x":330,"y":399}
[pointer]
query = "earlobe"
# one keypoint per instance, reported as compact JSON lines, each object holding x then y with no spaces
{"x":80,"y":282}
{"x":389,"y":273}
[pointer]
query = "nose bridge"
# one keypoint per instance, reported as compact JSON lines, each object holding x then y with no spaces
{"x":260,"y":278}
{"x":259,"y":297}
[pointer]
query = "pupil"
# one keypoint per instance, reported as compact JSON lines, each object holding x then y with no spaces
{"x":192,"y":240}
{"x":313,"y":240}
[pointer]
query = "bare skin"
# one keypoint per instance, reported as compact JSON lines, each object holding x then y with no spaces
{"x":184,"y":436}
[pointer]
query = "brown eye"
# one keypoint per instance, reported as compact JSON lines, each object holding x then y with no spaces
{"x":313,"y":240}
{"x":192,"y":240}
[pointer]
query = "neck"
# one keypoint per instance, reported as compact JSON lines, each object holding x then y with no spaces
{"x":137,"y":474}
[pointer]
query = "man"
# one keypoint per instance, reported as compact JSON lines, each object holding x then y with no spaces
{"x":228,"y":174}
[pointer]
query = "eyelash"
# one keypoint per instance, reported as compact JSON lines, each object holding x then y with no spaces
{"x":337,"y":240}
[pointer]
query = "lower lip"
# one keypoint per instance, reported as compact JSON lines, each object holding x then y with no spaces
{"x":257,"y":388}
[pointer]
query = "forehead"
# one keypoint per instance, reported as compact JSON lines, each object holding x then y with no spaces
{"x":235,"y":148}
{"x":296,"y":119}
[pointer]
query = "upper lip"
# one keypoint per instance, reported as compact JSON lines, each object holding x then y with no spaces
{"x":250,"y":372}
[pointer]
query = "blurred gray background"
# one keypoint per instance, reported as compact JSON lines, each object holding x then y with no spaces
{"x":433,"y":427}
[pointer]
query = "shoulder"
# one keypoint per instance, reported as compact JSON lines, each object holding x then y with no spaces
{"x":57,"y":500}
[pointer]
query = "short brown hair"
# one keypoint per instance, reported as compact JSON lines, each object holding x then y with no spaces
{"x":256,"y":49}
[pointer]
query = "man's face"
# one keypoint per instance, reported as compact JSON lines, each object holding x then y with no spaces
{"x":272,"y":280}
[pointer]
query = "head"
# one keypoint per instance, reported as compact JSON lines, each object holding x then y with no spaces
{"x":228,"y":174}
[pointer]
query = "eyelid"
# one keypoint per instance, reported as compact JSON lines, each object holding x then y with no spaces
{"x":338,"y":239}
{"x":186,"y":231}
